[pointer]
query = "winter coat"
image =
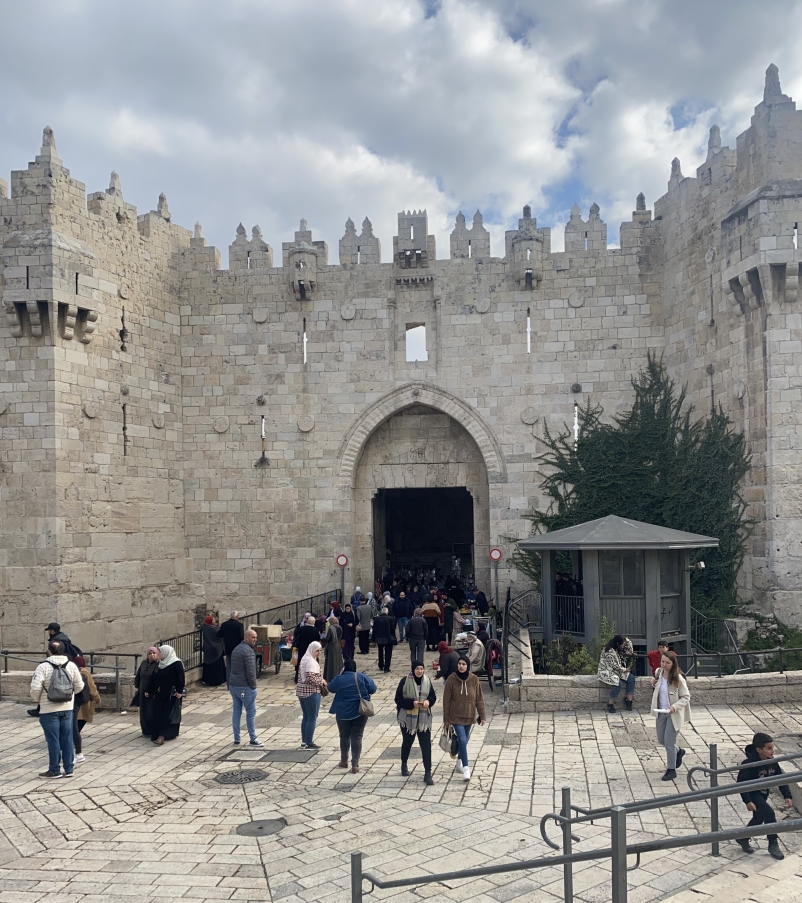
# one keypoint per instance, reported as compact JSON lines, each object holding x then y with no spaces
{"x":448,"y":664}
{"x":41,"y":681}
{"x":463,"y":700}
{"x":679,"y":697}
{"x":232,"y":633}
{"x":383,"y":630}
{"x":417,"y":630}
{"x":346,"y":695}
{"x":757,"y":771}
{"x":87,"y":711}
{"x":334,"y":652}
{"x":364,"y":616}
{"x":612,"y":666}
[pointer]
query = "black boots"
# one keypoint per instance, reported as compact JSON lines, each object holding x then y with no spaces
{"x":746,"y":846}
{"x":404,"y":770}
{"x":427,"y":779}
{"x":670,"y":775}
{"x":680,"y":757}
{"x":774,"y":850}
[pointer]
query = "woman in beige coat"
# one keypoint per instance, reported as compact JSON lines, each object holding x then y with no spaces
{"x":463,"y":706}
{"x":671,"y":706}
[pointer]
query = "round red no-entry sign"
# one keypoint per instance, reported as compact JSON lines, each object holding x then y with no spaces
{"x":342,"y":560}
{"x":496,"y":555}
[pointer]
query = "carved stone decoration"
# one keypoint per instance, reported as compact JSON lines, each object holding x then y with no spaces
{"x":482,"y":304}
{"x":90,"y":410}
{"x":260,"y":315}
{"x":529,"y":416}
{"x":69,"y":321}
{"x":89,"y":327}
{"x":739,"y":388}
{"x":306,"y":423}
{"x":158,"y":421}
{"x":576,"y":388}
{"x":348,"y":312}
{"x":576,"y":299}
{"x":221,"y":425}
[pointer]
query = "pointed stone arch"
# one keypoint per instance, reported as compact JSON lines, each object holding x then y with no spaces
{"x":360,"y":431}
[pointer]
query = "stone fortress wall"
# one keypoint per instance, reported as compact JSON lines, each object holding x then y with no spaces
{"x":137,"y":377}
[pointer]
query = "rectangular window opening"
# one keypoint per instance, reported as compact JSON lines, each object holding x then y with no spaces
{"x":470,"y":249}
{"x":359,"y":255}
{"x":125,"y":431}
{"x":305,"y":340}
{"x":302,"y":289}
{"x":76,"y":283}
{"x":408,"y":260}
{"x":796,"y":235}
{"x":249,"y":260}
{"x":416,"y":342}
{"x":27,"y":277}
{"x":528,"y":332}
{"x":586,"y":241}
{"x":418,"y":258}
{"x":528,"y":279}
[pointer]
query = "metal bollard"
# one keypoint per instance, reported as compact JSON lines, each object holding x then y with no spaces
{"x":618,"y":837}
{"x":356,"y":878}
{"x":568,"y":872}
{"x":714,"y":847}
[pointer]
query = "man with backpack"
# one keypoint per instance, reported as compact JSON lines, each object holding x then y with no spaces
{"x":54,"y":685}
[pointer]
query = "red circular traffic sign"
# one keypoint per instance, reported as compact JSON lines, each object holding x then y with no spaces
{"x":496,"y":555}
{"x":342,"y":561}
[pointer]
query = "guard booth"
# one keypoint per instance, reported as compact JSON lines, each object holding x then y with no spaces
{"x":636,"y":574}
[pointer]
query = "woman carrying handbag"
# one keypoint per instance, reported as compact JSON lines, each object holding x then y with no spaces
{"x":463,"y":706}
{"x":352,"y":707}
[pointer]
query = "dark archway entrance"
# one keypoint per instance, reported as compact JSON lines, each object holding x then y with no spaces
{"x":422,"y":529}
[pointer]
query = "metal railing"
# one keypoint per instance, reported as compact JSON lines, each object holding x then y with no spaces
{"x":93,"y":659}
{"x":520,"y":613}
{"x":189,"y":646}
{"x":570,"y":614}
{"x":115,"y":668}
{"x":619,"y":849}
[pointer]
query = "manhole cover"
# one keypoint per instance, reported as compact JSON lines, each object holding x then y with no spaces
{"x":241,"y":777}
{"x":262,"y":827}
{"x":289,"y":755}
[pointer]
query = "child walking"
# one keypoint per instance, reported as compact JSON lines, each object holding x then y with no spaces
{"x":761,"y":748}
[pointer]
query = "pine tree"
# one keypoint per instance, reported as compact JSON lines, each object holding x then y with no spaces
{"x":653,"y":463}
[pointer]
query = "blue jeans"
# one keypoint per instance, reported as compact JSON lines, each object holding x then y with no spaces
{"x":57,"y":727}
{"x":402,"y":626}
{"x":310,"y":706}
{"x":463,"y":732}
{"x":629,"y":683}
{"x":243,"y":697}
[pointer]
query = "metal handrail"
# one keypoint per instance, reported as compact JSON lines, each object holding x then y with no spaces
{"x":619,"y":849}
{"x":514,"y":620}
{"x":705,"y":769}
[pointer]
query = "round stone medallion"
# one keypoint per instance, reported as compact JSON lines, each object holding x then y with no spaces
{"x":306,"y":423}
{"x":529,"y":416}
{"x":348,"y":312}
{"x":260,"y":315}
{"x":158,"y":421}
{"x":90,"y":410}
{"x":221,"y":424}
{"x":482,"y":304}
{"x":576,"y":299}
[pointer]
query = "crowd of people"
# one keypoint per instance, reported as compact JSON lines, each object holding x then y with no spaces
{"x":66,"y":695}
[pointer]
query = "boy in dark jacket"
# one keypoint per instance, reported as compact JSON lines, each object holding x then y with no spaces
{"x":761,"y":748}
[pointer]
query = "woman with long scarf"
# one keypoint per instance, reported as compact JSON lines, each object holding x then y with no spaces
{"x":310,"y":680}
{"x":141,"y":680}
{"x":348,"y":626}
{"x":463,"y":706}
{"x":214,"y":666}
{"x":334,"y":649}
{"x":166,"y":688}
{"x":414,"y":700}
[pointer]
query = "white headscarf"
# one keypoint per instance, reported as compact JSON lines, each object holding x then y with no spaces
{"x":309,"y":664}
{"x":168,"y":656}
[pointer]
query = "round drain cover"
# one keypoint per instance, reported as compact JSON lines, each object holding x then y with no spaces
{"x":241,"y":777}
{"x":262,"y":827}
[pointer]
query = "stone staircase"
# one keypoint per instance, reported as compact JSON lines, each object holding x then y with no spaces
{"x":749,"y":880}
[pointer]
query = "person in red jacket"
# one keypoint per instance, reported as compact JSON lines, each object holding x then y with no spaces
{"x":655,"y":654}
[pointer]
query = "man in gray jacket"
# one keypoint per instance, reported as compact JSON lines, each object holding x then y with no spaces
{"x":55,"y":715}
{"x":242,"y":686}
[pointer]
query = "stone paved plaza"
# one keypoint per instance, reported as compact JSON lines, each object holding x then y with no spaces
{"x":149,"y":822}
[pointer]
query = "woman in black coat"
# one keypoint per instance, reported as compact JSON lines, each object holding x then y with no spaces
{"x":166,"y":689}
{"x":141,"y":680}
{"x":348,"y":625}
{"x":214,"y":666}
{"x":384,"y":638}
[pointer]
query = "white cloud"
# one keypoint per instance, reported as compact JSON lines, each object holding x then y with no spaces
{"x":268,"y":111}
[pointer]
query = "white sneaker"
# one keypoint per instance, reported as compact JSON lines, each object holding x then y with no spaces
{"x":459,"y":766}
{"x":79,"y":759}
{"x":466,"y":774}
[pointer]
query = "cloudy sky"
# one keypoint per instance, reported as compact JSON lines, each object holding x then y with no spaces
{"x":264,"y":111}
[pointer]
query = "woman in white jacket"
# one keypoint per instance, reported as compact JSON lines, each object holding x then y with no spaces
{"x":671,"y":706}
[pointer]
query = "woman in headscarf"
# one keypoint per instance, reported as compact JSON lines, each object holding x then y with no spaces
{"x":310,"y":680}
{"x":166,"y":689}
{"x":373,"y":603}
{"x":214,"y":666}
{"x":431,"y":614}
{"x":334,"y":649}
{"x":414,"y":699}
{"x":143,"y":675}
{"x":448,"y":661}
{"x":348,"y":688}
{"x":463,"y":705}
{"x":83,"y":707}
{"x":348,"y":627}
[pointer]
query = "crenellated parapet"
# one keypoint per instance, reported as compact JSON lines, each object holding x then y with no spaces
{"x":244,"y":254}
{"x":470,"y":243}
{"x":362,"y":250}
{"x":526,"y":248}
{"x":301,"y":259}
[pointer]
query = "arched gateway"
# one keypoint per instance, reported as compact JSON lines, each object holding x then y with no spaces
{"x":419,"y":462}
